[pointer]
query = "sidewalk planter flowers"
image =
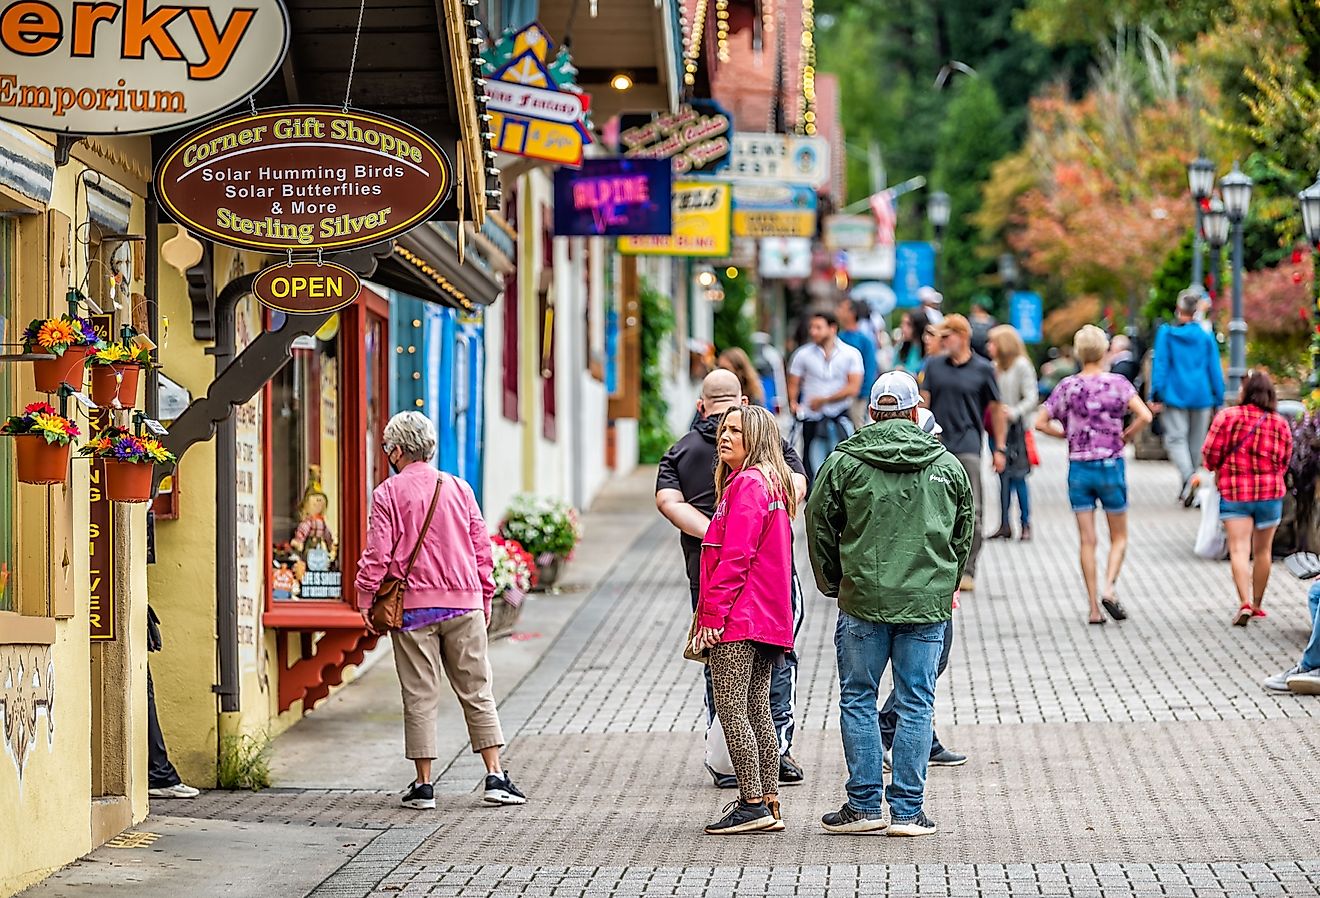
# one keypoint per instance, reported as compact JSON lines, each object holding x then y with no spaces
{"x":115,"y":371}
{"x":128,"y":461}
{"x":514,"y":576}
{"x":44,"y":439}
{"x":547,"y":528}
{"x":68,"y":338}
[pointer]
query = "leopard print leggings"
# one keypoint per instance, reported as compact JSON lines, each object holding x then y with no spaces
{"x":740,"y":674}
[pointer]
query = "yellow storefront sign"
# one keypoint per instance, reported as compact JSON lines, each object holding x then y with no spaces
{"x":761,"y":223}
{"x":702,"y":218}
{"x":536,"y":138}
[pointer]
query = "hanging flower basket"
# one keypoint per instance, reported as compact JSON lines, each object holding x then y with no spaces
{"x":128,"y":461}
{"x":41,"y":462}
{"x":44,"y":438}
{"x":128,"y":481}
{"x":115,"y":373}
{"x":115,"y":385}
{"x":68,"y":338}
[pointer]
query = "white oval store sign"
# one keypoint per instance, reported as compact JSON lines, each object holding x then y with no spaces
{"x":134,"y":66}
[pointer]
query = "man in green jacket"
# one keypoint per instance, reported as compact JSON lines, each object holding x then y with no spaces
{"x":889,"y":529}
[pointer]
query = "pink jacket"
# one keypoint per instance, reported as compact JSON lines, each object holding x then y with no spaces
{"x":747,"y":565}
{"x":453,"y":569}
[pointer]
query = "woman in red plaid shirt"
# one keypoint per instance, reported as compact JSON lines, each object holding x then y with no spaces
{"x":1249,"y":446}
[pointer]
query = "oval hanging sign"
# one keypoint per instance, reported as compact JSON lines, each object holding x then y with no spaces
{"x":134,"y":66}
{"x":303,"y":178}
{"x":306,"y":288}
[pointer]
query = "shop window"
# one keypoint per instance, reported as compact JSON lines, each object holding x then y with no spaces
{"x":306,"y":507}
{"x":10,"y":332}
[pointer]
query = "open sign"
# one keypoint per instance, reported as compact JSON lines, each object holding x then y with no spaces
{"x":306,"y":288}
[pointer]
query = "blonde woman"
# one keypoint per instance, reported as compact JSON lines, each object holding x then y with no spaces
{"x":1018,"y":392}
{"x":1087,"y":410}
{"x":744,"y":611}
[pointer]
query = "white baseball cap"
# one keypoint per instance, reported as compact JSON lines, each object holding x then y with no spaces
{"x":928,"y":295}
{"x":926,"y":421}
{"x":898,"y":385}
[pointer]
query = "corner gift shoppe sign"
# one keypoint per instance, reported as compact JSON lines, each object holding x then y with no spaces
{"x":134,"y":66}
{"x":303,"y":179}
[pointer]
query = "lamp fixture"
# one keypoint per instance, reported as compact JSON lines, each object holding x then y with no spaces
{"x":621,"y":81}
{"x":1201,"y":178}
{"x":1215,"y":220}
{"x":1310,"y":202}
{"x":1236,"y":188}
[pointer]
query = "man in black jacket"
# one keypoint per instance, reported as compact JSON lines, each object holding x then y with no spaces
{"x":685,"y":495}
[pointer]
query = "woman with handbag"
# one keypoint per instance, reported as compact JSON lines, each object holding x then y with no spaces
{"x":1019,"y":393}
{"x":1087,"y":410}
{"x":425,"y":576}
{"x":1248,"y":447}
{"x":744,"y":618}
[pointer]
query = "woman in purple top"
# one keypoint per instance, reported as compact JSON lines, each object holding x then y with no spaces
{"x":1087,"y":409}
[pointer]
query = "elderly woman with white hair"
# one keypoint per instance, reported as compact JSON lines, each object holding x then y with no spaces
{"x":426,"y":529}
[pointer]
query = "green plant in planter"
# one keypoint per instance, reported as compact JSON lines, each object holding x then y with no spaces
{"x":653,"y":436}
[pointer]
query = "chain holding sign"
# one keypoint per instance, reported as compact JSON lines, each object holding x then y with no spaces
{"x":303,"y":178}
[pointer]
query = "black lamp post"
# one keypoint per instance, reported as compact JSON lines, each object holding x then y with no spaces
{"x":1201,"y":180}
{"x":1236,"y":190}
{"x":1008,"y":274}
{"x":1215,"y":224}
{"x":938,"y":209}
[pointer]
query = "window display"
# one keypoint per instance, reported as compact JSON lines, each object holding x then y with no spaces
{"x":305,"y":486}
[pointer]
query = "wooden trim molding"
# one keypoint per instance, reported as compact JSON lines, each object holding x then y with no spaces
{"x":21,"y":629}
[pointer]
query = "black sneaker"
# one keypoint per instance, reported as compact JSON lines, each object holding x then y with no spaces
{"x":946,"y":758}
{"x":790,"y":774}
{"x":741,"y":817}
{"x":501,"y":790}
{"x":846,"y":820}
{"x":920,"y":825}
{"x":419,"y":797}
{"x":723,"y":780}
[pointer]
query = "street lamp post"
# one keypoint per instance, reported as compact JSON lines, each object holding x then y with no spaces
{"x":1309,"y":199}
{"x":1201,"y":180}
{"x":1008,"y":273}
{"x":1236,"y":189}
{"x":938,"y":208}
{"x":1215,"y":223}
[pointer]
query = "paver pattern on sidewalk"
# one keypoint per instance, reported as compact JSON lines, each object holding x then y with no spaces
{"x":1140,"y":758}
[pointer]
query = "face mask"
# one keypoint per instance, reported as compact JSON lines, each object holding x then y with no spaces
{"x":393,"y":466}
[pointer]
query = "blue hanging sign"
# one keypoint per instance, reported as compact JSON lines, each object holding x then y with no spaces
{"x":1026,"y":312}
{"x":914,"y":268}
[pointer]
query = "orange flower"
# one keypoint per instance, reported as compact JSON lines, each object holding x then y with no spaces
{"x":55,"y":333}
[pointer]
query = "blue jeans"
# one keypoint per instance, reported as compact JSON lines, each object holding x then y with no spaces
{"x":864,"y":650}
{"x":889,"y":717}
{"x":1311,"y":656}
{"x":1008,"y":488}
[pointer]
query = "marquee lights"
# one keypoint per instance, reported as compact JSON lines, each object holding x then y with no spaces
{"x":808,"y":102}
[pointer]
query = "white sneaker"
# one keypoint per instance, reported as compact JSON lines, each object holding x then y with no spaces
{"x":1305,"y":683}
{"x":1279,"y":682}
{"x":178,"y":790}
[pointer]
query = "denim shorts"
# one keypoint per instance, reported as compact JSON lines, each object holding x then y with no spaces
{"x":1103,"y":480}
{"x":1266,"y":513}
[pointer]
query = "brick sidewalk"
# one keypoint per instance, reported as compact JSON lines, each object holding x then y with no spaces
{"x":1140,"y":758}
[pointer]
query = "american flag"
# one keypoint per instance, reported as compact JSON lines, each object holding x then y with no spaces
{"x":886,"y":217}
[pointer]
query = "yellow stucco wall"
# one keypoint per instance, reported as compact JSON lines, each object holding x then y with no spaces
{"x":46,"y":779}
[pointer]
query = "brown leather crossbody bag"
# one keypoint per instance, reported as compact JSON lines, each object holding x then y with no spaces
{"x":387,"y":607}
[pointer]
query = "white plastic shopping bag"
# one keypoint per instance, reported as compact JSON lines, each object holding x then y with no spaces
{"x":717,"y":749}
{"x":1210,"y":540}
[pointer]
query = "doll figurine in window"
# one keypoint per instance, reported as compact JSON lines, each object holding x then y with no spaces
{"x":312,"y":539}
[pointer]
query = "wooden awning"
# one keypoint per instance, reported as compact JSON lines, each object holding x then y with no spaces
{"x":639,"y":38}
{"x":414,"y":62}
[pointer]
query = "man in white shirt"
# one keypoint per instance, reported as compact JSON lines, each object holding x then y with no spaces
{"x":823,"y":378}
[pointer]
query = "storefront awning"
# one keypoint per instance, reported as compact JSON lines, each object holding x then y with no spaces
{"x":639,"y":38}
{"x":414,"y":62}
{"x":425,"y":263}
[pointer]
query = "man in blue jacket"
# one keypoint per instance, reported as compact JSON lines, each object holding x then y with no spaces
{"x":1187,"y":386}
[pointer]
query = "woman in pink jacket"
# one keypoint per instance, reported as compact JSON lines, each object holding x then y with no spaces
{"x":446,"y":603}
{"x":744,"y":615}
